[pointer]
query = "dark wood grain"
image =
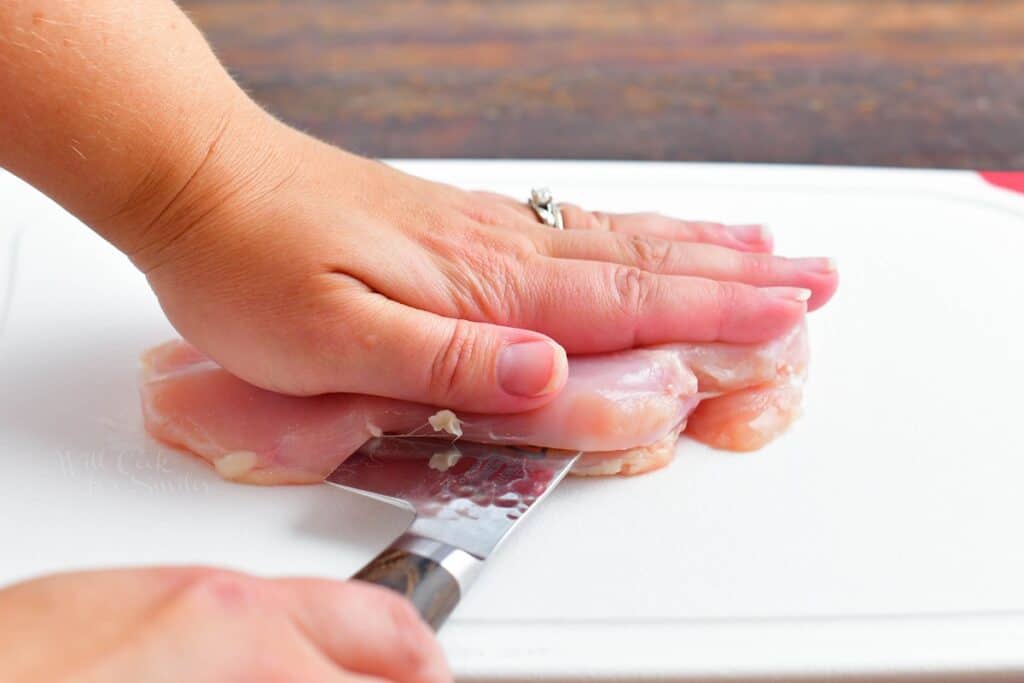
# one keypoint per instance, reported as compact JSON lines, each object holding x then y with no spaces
{"x":900,"y":82}
{"x":431,"y":589}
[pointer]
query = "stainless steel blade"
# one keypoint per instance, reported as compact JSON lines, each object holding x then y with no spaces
{"x":467,"y":495}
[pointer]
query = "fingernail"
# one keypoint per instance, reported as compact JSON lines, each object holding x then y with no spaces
{"x":751,"y":234}
{"x":791,"y":293}
{"x":532,"y":368}
{"x":819,"y":265}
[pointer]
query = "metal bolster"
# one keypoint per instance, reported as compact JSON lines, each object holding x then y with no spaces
{"x":460,"y":564}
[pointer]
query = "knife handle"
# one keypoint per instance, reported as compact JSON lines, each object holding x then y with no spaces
{"x":431,"y":574}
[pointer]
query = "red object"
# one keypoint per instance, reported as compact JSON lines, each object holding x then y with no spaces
{"x":1008,"y":180}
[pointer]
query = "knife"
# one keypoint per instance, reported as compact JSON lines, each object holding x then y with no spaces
{"x":466,"y":498}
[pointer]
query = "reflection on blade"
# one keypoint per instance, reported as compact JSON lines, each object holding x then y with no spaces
{"x":467,"y":495}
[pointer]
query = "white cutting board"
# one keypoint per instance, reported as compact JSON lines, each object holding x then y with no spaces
{"x":882,"y":534}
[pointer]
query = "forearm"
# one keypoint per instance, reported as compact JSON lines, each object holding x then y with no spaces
{"x":114,"y":108}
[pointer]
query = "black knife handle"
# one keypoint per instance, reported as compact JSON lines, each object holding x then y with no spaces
{"x":429,"y":586}
{"x":431,"y":574}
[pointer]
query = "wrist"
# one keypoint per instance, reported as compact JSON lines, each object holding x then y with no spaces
{"x":207,"y":170}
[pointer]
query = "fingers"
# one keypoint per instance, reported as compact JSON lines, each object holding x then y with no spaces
{"x":591,"y":307}
{"x":366,"y":630}
{"x":659,"y":244}
{"x":206,"y":624}
{"x":755,"y":238}
{"x":241,"y":627}
{"x":407,"y":353}
{"x":699,"y":260}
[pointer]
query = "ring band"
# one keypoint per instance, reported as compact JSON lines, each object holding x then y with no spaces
{"x":547,"y":210}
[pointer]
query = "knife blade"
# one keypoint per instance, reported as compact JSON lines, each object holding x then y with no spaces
{"x":466,"y":498}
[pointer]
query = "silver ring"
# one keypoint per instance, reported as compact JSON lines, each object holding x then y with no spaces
{"x":543,"y":204}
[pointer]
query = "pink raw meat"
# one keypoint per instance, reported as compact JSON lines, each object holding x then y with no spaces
{"x":625,"y":410}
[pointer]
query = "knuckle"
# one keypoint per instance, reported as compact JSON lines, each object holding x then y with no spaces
{"x":482,"y":275}
{"x":580,"y":219}
{"x":632,"y":287}
{"x":648,"y":253}
{"x":708,"y":232}
{"x":722,"y":297}
{"x":757,"y":267}
{"x":494,"y":210}
{"x":437,"y":229}
{"x":219,"y":590}
{"x":515,"y":248}
{"x":453,"y":362}
{"x":599,"y":220}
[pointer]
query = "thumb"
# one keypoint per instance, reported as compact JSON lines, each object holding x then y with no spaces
{"x":407,"y":353}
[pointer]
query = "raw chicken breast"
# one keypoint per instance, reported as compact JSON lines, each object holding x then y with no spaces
{"x":625,"y":410}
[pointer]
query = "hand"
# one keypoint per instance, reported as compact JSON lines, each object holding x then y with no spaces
{"x":209,"y":626}
{"x":304,"y":269}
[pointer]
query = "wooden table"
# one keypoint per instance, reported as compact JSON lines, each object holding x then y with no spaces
{"x":878,"y":82}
